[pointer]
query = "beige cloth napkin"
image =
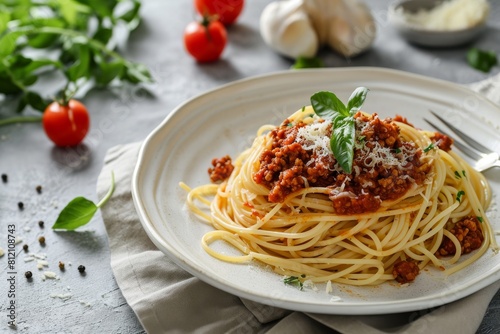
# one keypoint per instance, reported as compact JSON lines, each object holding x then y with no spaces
{"x":167,"y":299}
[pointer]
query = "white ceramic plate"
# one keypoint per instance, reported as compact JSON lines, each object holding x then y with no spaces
{"x":224,"y":121}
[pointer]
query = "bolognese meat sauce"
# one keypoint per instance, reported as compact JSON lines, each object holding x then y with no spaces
{"x":222,"y":169}
{"x":469,"y":234}
{"x":405,"y":271}
{"x":384,"y":167}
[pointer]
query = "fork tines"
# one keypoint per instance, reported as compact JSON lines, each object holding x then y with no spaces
{"x":476,"y":155}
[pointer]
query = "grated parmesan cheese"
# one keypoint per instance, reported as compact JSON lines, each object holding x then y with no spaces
{"x":41,"y":263}
{"x":50,"y":274}
{"x":63,"y":296}
{"x":310,"y":284}
{"x":314,"y":137}
{"x":336,"y":299}
{"x":329,"y":288}
{"x":450,"y":15}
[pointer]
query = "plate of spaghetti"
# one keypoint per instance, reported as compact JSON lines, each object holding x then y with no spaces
{"x":325,"y":191}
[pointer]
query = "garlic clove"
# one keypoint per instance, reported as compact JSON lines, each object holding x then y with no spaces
{"x":286,"y":27}
{"x":300,"y":27}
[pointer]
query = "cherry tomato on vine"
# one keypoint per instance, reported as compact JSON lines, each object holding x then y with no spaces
{"x":227,"y":11}
{"x":66,"y":125}
{"x":205,"y":40}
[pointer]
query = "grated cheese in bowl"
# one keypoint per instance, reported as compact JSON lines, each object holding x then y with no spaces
{"x":449,"y":15}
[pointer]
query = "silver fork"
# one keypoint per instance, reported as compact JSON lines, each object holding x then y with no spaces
{"x":483,"y":156}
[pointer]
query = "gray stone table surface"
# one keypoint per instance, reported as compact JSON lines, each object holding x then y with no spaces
{"x":96,"y":304}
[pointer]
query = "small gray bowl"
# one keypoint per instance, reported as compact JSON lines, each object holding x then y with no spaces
{"x":426,"y":37}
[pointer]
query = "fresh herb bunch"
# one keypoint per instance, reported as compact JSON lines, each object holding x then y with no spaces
{"x":328,"y":106}
{"x":76,"y":37}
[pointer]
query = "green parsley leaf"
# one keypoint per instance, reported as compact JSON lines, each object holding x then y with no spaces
{"x":480,"y":219}
{"x":428,"y":148}
{"x":481,"y":59}
{"x":294,"y":281}
{"x":397,"y":150}
{"x":457,"y":175}
{"x":460,"y":194}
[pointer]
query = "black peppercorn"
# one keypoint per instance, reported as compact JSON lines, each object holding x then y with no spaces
{"x":20,"y":205}
{"x":81,"y":268}
{"x":28,"y":274}
{"x":25,"y":247}
{"x":41,"y":223}
{"x":39,"y":189}
{"x":41,"y":240}
{"x":4,"y":178}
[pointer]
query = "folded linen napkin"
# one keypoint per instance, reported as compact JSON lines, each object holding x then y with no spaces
{"x":167,"y":299}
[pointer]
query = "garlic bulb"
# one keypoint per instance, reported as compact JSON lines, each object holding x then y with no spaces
{"x":298,"y":28}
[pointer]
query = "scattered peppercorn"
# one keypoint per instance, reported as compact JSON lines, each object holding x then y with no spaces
{"x":39,"y":189}
{"x":25,"y":247}
{"x":41,"y":240}
{"x":4,"y":178}
{"x":41,"y":223}
{"x":20,"y":205}
{"x":28,"y":274}
{"x":81,"y":268}
{"x":61,"y":265}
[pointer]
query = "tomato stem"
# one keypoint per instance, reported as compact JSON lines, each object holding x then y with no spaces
{"x":20,"y":119}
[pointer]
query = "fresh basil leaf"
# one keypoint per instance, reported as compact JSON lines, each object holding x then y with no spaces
{"x":481,"y":60}
{"x":80,"y":210}
{"x":7,"y":86}
{"x":342,"y":142}
{"x":70,"y":9}
{"x":44,"y":40}
{"x":40,"y":63}
{"x":36,"y":101}
{"x":108,"y":71}
{"x":21,"y":104}
{"x":304,"y":62}
{"x":103,"y":8}
{"x":80,"y":68}
{"x":131,"y":15}
{"x":357,"y":99}
{"x":77,"y":213}
{"x":8,"y":43}
{"x":136,"y":73}
{"x":29,"y":80}
{"x":4,"y":20}
{"x":328,"y":106}
{"x":103,"y":34}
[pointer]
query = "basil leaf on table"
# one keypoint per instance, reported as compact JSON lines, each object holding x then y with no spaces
{"x":305,"y":62}
{"x":329,"y":107}
{"x":481,"y":60}
{"x":80,"y":210}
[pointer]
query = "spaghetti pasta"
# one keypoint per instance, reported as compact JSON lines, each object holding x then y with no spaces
{"x":368,"y":236}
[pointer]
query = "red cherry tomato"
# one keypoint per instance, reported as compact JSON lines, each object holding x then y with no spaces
{"x":66,"y":125}
{"x":227,"y":11}
{"x":205,"y":41}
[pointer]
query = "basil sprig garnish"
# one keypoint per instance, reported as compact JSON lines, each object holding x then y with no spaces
{"x":328,"y":106}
